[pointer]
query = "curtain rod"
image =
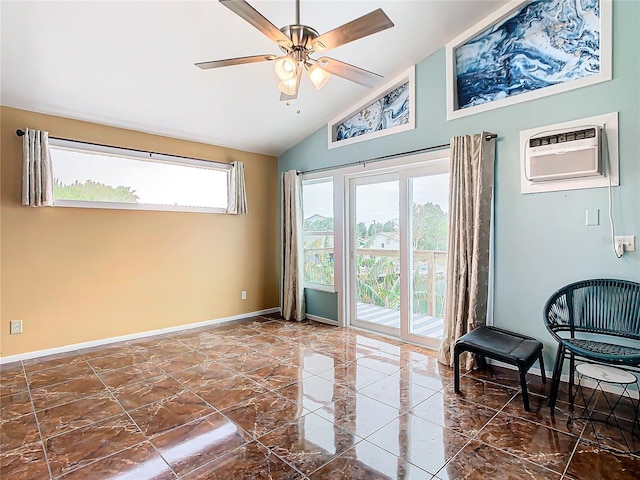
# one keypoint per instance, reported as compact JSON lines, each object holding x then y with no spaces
{"x":487,"y":137}
{"x":21,"y":133}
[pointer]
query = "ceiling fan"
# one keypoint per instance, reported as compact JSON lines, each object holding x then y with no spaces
{"x":298,"y":42}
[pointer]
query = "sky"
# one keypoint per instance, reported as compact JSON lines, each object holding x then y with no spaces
{"x":155,"y":183}
{"x":379,"y":201}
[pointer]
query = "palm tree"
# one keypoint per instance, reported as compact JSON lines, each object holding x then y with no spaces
{"x":378,"y":281}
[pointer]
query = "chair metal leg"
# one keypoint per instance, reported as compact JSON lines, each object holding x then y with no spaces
{"x":542,"y":372}
{"x":456,"y":368}
{"x":572,"y":369}
{"x":555,"y":382}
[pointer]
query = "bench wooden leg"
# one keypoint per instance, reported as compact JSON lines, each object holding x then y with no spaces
{"x":456,"y":368}
{"x":523,"y":386}
{"x":542,"y":372}
{"x":482,"y":362}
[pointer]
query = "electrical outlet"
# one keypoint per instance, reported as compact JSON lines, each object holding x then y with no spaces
{"x":244,"y":295}
{"x":16,"y":327}
{"x":628,"y":242}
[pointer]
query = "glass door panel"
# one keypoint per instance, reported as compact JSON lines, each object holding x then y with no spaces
{"x":429,"y":221}
{"x":376,"y":253}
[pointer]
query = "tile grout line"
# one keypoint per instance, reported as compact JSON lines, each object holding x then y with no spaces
{"x":477,"y":438}
{"x":471,"y":439}
{"x":279,"y":457}
{"x":254,"y":438}
{"x":36,"y":360}
{"x":146,"y":438}
{"x":33,"y":408}
{"x":575,"y":447}
{"x":188,"y":389}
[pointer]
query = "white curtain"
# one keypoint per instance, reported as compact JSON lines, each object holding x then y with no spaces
{"x":292,"y":304}
{"x":470,"y":200}
{"x":37,"y":171}
{"x":237,"y":203}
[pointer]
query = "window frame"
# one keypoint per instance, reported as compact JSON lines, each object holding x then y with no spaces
{"x":92,"y":148}
{"x":311,"y":179}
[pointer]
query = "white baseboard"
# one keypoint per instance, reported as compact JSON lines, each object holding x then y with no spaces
{"x":132,"y":336}
{"x":607,"y":387}
{"x":316,"y":318}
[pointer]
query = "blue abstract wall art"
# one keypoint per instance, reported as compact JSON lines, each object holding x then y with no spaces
{"x":391,"y":110}
{"x":543,"y":43}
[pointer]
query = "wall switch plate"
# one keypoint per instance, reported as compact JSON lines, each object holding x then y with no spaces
{"x":16,"y":327}
{"x":592,"y":217}
{"x":628,"y":242}
{"x":244,"y":295}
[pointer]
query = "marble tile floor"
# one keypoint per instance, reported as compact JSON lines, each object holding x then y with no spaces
{"x":263,"y":398}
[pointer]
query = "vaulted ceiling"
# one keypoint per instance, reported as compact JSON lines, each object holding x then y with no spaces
{"x":131,"y":64}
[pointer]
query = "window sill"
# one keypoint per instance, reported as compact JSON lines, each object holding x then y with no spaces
{"x":136,"y":206}
{"x":319,"y":287}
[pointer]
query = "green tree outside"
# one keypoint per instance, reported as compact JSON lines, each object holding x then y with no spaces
{"x":93,"y":192}
{"x":324,"y":225}
{"x":430,"y":227}
{"x":378,"y":278}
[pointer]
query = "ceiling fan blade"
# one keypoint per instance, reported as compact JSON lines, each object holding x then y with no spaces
{"x":255,"y":18}
{"x":368,"y":24}
{"x":350,"y":72}
{"x":235,"y":61}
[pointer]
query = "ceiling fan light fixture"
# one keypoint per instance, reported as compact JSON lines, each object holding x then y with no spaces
{"x":318,"y":75}
{"x":286,"y":68}
{"x":289,"y":87}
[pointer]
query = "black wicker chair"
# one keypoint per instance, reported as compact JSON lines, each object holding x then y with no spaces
{"x":594,"y":320}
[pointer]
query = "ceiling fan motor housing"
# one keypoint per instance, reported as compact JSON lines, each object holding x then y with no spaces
{"x":301,"y":36}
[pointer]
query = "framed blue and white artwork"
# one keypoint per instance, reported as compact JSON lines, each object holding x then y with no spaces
{"x":390,"y":109}
{"x":527,"y":50}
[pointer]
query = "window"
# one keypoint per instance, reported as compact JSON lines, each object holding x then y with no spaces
{"x":318,"y":233}
{"x":87,"y":175}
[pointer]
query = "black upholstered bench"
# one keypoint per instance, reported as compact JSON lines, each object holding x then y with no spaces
{"x":505,"y":346}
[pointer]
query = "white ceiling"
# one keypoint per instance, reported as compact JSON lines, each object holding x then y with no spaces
{"x":131,"y":64}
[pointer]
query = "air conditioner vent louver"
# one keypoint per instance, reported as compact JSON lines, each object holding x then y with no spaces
{"x":563,"y":137}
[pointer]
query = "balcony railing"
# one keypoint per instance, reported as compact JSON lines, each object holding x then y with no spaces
{"x":378,"y":284}
{"x":429,"y":272}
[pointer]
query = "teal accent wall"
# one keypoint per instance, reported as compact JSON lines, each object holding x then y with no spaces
{"x":541,"y":241}
{"x":322,"y":304}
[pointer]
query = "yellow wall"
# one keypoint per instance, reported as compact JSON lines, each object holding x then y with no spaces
{"x":75,"y":275}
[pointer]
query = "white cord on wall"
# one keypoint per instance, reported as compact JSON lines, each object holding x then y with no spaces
{"x":618,"y":250}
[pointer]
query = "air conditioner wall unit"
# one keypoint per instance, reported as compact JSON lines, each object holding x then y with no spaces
{"x":564,"y":154}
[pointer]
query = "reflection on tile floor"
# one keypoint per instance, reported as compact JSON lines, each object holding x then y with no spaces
{"x":263,"y":398}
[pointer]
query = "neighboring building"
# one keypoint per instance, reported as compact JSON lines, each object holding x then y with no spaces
{"x":386,"y":240}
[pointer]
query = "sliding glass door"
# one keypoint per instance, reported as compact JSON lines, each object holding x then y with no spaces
{"x":375,"y":253}
{"x":398,"y":226}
